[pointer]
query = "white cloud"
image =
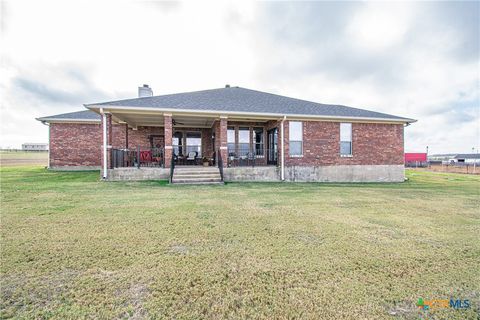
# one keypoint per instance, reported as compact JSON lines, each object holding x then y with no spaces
{"x":417,"y":60}
{"x":379,"y":25}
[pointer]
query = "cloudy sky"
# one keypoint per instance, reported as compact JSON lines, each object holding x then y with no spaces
{"x":414,"y":59}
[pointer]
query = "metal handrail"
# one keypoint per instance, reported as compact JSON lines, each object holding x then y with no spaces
{"x":172,"y":167}
{"x":220,"y":164}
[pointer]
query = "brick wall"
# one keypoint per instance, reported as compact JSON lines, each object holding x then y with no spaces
{"x":372,"y":144}
{"x":139,"y":137}
{"x":73,"y":144}
{"x":207,"y":145}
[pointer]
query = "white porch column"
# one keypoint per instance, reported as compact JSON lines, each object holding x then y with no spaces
{"x":282,"y":157}
{"x":104,"y":122}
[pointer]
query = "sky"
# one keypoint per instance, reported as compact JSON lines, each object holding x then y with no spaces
{"x":419,"y":60}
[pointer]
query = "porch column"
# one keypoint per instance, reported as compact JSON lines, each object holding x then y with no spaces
{"x":126,"y":135}
{"x":107,"y":142}
{"x":282,"y":148}
{"x":222,"y":137}
{"x":167,"y":125}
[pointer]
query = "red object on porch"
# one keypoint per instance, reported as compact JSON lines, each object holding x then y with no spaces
{"x":145,"y":156}
{"x":415,"y":157}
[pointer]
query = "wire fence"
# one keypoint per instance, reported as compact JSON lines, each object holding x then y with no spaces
{"x":465,"y":168}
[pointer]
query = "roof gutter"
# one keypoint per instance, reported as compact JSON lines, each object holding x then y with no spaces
{"x":49,"y":120}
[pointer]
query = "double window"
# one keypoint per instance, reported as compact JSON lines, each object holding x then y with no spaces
{"x":345,"y":139}
{"x":295,"y":134}
{"x":244,"y":141}
{"x":185,"y":142}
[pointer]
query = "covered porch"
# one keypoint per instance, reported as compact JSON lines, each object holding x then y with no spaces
{"x":148,"y":139}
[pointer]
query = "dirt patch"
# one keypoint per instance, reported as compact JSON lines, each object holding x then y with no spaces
{"x":22,"y":162}
{"x":404,"y":310}
{"x":179,"y":249}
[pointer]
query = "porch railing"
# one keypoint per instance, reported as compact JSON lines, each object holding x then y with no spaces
{"x":188,"y":155}
{"x":138,"y":157}
{"x":241,"y":156}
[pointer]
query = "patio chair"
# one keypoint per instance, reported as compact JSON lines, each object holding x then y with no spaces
{"x":251,"y":158}
{"x":192,"y":157}
{"x":232,"y":157}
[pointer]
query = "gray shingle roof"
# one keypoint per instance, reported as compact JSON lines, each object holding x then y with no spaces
{"x":236,"y":99}
{"x":84,"y":115}
{"x":467,"y":156}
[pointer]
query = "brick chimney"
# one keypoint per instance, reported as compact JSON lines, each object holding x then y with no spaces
{"x":145,"y":91}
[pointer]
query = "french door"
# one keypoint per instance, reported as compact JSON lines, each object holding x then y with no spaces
{"x":272,"y":139}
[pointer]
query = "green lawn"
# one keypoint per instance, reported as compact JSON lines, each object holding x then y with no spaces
{"x":75,"y":247}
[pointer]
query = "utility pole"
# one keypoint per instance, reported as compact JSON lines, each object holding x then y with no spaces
{"x":428,"y":162}
{"x":474,"y":159}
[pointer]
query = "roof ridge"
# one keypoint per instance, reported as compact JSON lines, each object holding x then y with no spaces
{"x":160,"y":95}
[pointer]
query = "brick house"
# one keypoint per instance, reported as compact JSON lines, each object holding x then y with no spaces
{"x":231,"y":134}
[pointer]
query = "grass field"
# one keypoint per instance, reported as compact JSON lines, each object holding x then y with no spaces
{"x":75,"y":247}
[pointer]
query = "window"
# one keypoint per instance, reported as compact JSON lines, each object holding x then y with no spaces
{"x":243,"y":140}
{"x":258,"y":141}
{"x":177,"y":143}
{"x":231,"y":140}
{"x":295,"y":133}
{"x":345,"y":139}
{"x":194,"y":143}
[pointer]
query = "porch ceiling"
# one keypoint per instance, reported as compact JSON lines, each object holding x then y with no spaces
{"x":157,"y":120}
{"x":180,"y":120}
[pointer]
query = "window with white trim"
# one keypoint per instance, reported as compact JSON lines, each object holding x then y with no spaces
{"x":295,"y":136}
{"x":345,"y":139}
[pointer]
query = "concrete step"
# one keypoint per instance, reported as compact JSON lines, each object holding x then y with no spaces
{"x":195,"y":180}
{"x":199,"y":183}
{"x":197,"y":177}
{"x":207,"y":169}
{"x":199,"y":173}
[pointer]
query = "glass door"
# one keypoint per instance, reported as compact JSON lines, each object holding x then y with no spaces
{"x":272,"y":138}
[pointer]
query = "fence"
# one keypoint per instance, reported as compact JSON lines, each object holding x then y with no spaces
{"x":151,"y":157}
{"x":466,"y":168}
{"x":416,"y":164}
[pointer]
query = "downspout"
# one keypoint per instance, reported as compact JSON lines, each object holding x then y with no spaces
{"x":48,"y":165}
{"x":282,"y":144}
{"x":104,"y":118}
